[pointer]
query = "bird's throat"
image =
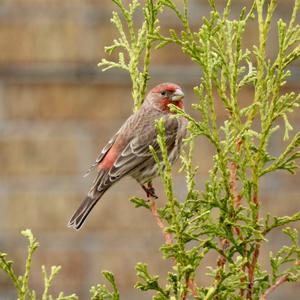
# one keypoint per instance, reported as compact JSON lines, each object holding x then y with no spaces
{"x":165,"y":104}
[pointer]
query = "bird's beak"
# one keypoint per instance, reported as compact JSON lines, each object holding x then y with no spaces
{"x":177,"y":95}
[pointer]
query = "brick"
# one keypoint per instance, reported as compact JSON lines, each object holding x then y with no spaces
{"x":281,"y":202}
{"x":30,"y":157}
{"x":67,"y":102}
{"x":73,"y":38}
{"x":47,"y":211}
{"x":51,"y":211}
{"x":169,"y":55}
{"x":39,"y":211}
{"x":50,"y":3}
{"x":53,"y":40}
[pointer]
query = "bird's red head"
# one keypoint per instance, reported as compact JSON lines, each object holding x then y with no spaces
{"x":164,"y":94}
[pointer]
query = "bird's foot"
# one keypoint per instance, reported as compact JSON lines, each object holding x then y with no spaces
{"x":150,"y":191}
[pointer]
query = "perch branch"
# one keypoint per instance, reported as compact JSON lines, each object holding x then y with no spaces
{"x":159,"y":222}
{"x":168,"y":240}
{"x":251,"y":269}
{"x":279,"y":281}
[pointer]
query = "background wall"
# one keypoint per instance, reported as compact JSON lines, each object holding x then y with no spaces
{"x":56,"y":111}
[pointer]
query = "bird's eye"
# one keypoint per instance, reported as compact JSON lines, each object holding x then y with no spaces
{"x":163,"y":93}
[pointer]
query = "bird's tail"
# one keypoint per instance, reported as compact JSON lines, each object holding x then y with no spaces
{"x":100,"y":185}
{"x":83,"y":211}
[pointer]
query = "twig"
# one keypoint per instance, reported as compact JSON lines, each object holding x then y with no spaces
{"x":233,"y":178}
{"x":184,"y":295}
{"x":192,"y":286}
{"x":168,"y":240}
{"x":159,"y":222}
{"x":237,"y":201}
{"x":233,"y":185}
{"x":251,"y":269}
{"x":256,"y":202}
{"x":252,"y":265}
{"x":221,"y":261}
{"x":279,"y":281}
{"x":233,"y":188}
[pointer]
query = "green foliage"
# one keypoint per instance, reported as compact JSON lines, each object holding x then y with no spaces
{"x":133,"y":45}
{"x":21,"y":282}
{"x":225,"y":218}
{"x":100,"y":292}
{"x":286,"y":256}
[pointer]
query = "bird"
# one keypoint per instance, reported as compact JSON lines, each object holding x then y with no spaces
{"x":127,"y":153}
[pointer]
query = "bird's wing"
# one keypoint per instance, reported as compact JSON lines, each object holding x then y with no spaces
{"x":102,"y":154}
{"x":134,"y":152}
{"x":137,"y":152}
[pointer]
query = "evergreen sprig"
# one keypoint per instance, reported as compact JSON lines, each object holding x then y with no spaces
{"x":101,"y":292}
{"x":21,"y":282}
{"x":133,"y":45}
{"x":241,"y":154}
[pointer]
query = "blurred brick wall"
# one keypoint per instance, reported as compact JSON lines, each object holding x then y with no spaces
{"x":56,"y":111}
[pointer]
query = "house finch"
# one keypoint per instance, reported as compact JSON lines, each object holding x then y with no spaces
{"x":127,"y":153}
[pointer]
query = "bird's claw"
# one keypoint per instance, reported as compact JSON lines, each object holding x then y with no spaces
{"x":150,"y":191}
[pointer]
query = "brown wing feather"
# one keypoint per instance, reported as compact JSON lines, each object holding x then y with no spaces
{"x":137,"y":152}
{"x":102,"y":154}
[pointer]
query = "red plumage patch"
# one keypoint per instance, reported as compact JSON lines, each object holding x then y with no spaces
{"x":165,"y":102}
{"x":165,"y":87}
{"x":110,"y":156}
